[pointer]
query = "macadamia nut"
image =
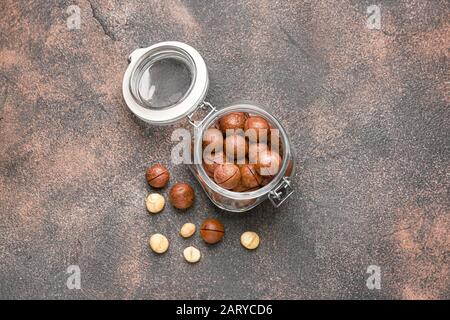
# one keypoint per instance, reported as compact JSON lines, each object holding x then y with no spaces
{"x":249,"y":177}
{"x":212,"y":231}
{"x":213,"y":138}
{"x":182,"y":196}
{"x":227,"y":175}
{"x":250,"y":240}
{"x":212,"y":161}
{"x":155,"y":202}
{"x":158,"y":243}
{"x":192,"y":254}
{"x":157,"y":176}
{"x":233,"y":121}
{"x":254,"y":150}
{"x":187,"y":230}
{"x":268,"y":163}
{"x":236,"y":147}
{"x":257,"y":129}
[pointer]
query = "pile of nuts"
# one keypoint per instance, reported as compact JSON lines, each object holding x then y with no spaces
{"x":182,"y":196}
{"x":242,"y":152}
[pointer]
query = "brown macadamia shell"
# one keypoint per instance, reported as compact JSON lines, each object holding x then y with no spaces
{"x":213,"y":138}
{"x":212,"y":231}
{"x":157,"y":176}
{"x":254,"y":149}
{"x":182,"y":196}
{"x":250,"y":178}
{"x":236,"y":147}
{"x":233,"y":120}
{"x":211,"y":161}
{"x":257,"y":129}
{"x":268,"y":163}
{"x":227,"y":175}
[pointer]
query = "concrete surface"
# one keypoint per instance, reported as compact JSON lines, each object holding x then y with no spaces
{"x":367,"y":110}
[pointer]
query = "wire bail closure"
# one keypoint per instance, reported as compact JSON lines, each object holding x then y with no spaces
{"x":204,"y":105}
{"x":281,"y":192}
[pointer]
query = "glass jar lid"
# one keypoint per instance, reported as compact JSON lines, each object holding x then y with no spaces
{"x":165,"y":82}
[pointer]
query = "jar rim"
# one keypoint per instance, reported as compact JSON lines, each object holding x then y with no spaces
{"x":242,"y":106}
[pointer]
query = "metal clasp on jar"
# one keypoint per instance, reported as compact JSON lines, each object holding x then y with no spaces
{"x":281,"y":192}
{"x":203,"y":106}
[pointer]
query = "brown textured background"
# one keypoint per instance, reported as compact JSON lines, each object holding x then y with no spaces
{"x":367,"y":111}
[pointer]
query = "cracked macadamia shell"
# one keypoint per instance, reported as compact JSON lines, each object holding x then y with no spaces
{"x":157,"y":176}
{"x":212,"y":231}
{"x":212,"y":161}
{"x":250,"y":178}
{"x":227,"y":175}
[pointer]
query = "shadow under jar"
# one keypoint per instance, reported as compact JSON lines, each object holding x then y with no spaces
{"x":168,"y":82}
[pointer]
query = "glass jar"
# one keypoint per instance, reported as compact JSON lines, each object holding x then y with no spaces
{"x":168,"y":82}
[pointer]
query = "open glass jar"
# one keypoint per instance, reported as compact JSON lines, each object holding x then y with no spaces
{"x":168,"y":82}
